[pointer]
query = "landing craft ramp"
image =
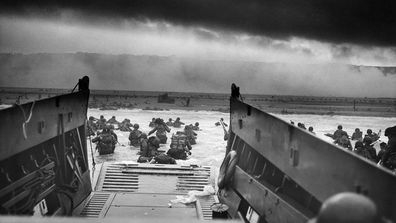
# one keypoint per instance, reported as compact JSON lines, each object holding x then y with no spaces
{"x":145,"y":191}
{"x":284,"y":173}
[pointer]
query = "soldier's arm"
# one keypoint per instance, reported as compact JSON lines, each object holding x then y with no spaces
{"x":167,"y":128}
{"x":188,"y":144}
{"x":96,"y":139}
{"x":152,"y":131}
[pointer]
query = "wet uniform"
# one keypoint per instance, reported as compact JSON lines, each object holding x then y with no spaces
{"x":196,"y":128}
{"x":344,"y":142}
{"x":161,"y":130}
{"x":373,"y":136}
{"x":191,"y":135}
{"x":112,"y":121}
{"x":148,"y":149}
{"x":339,"y":133}
{"x":179,"y":147}
{"x":357,"y":136}
{"x":91,"y":128}
{"x":105,"y":143}
{"x":389,"y":157}
{"x":177,"y":124}
{"x":134,"y":137}
{"x":125,"y":126}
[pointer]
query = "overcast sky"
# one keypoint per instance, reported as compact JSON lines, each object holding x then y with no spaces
{"x":288,"y":31}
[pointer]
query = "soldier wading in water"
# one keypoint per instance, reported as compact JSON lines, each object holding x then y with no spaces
{"x":161,"y":129}
{"x":180,"y":146}
{"x":105,"y":141}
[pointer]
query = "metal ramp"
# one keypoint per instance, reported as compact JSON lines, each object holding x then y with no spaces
{"x":145,"y":191}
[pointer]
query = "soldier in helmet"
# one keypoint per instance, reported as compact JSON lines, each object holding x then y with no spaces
{"x":347,"y":207}
{"x":383,"y":148}
{"x":101,"y":123}
{"x":112,"y":121}
{"x":125,"y":125}
{"x":105,"y":141}
{"x":372,"y":153}
{"x":169,"y":122}
{"x":389,"y":157}
{"x":180,"y":146}
{"x":134,"y":136}
{"x":149,"y":148}
{"x":357,"y":135}
{"x":152,"y":123}
{"x":177,"y":123}
{"x":359,"y":149}
{"x":161,"y":128}
{"x":191,"y":135}
{"x":91,"y":127}
{"x":374,"y":136}
{"x":339,"y":133}
{"x":344,"y":142}
{"x":196,"y":126}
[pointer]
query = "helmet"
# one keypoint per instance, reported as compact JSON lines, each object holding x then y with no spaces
{"x":367,"y":140}
{"x":177,"y":118}
{"x":136,"y":126}
{"x":391,"y":131}
{"x":159,"y":121}
{"x":310,"y":128}
{"x":170,"y":119}
{"x":358,"y":144}
{"x":91,"y":118}
{"x":369,"y":131}
{"x":143,"y":135}
{"x":357,"y":130}
{"x":347,"y":207}
{"x":154,"y":140}
{"x":339,"y":127}
{"x":197,"y":123}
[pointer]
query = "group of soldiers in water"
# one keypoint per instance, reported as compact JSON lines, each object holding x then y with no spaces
{"x":180,"y":146}
{"x":364,"y":146}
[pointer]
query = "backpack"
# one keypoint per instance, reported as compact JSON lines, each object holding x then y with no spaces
{"x":107,"y":138}
{"x":164,"y":159}
{"x":178,"y":141}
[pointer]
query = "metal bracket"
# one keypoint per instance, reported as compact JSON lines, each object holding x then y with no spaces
{"x":294,"y":156}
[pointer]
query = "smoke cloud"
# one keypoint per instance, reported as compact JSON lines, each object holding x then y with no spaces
{"x":154,"y":73}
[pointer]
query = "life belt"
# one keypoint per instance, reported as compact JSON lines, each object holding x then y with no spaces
{"x":227,"y":169}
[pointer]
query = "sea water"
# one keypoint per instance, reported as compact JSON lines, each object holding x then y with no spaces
{"x":210,"y":147}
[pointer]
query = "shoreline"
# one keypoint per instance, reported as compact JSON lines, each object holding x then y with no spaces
{"x":152,"y":105}
{"x":280,"y":104}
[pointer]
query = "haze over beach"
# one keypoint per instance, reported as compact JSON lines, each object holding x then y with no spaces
{"x":312,"y":48}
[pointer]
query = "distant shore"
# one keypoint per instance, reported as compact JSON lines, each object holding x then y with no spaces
{"x":111,"y":100}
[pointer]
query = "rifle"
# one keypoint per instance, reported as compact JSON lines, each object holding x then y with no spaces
{"x":226,"y":135}
{"x":378,"y":140}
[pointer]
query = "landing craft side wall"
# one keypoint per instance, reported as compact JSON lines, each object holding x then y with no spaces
{"x":319,"y":167}
{"x":44,"y":124}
